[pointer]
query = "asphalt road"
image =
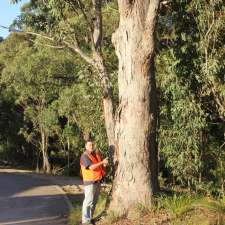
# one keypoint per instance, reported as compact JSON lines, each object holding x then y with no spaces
{"x":25,"y":200}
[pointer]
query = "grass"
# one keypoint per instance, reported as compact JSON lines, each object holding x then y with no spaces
{"x":178,"y":209}
{"x":187,"y":209}
{"x":76,"y":213}
{"x":142,"y":209}
{"x":100,"y":207}
{"x":217,"y":206}
{"x":177,"y":205}
{"x":111,"y":218}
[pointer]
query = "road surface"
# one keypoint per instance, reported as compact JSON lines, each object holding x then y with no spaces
{"x":25,"y":200}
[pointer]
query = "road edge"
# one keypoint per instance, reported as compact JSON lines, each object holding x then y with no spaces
{"x":51,"y":179}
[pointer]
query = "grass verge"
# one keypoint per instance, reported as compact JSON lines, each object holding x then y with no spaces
{"x":178,"y":209}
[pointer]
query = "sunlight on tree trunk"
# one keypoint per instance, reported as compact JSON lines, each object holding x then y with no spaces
{"x":136,"y":175}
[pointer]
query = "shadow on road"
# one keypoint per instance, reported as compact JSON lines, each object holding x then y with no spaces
{"x":26,"y":200}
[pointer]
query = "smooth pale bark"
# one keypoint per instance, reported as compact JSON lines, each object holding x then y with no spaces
{"x":99,"y":64}
{"x":37,"y":162}
{"x":108,"y":108}
{"x":68,"y":157}
{"x":136,"y":176}
{"x":44,"y":147}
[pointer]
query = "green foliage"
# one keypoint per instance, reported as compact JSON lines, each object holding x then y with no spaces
{"x":177,"y":205}
{"x":56,"y":95}
{"x":181,"y":122}
{"x":190,"y":79}
{"x":184,"y":208}
{"x":212,"y":205}
{"x":30,"y":74}
{"x":81,"y":104}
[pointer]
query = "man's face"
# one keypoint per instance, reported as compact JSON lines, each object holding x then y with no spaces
{"x":89,"y":146}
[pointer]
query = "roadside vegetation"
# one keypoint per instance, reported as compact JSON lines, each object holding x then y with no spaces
{"x":175,"y":208}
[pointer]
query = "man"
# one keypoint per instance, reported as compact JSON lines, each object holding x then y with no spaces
{"x":92,"y":172}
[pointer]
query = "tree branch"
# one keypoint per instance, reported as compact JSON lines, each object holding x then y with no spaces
{"x":124,"y":6}
{"x":82,"y":9}
{"x":97,"y":23}
{"x":27,"y":32}
{"x":50,"y":46}
{"x":39,"y":35}
{"x":75,"y":47}
{"x":152,"y":14}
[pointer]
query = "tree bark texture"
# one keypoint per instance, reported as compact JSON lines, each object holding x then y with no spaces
{"x":136,"y":176}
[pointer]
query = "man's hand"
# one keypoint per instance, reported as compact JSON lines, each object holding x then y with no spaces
{"x":105,"y":162}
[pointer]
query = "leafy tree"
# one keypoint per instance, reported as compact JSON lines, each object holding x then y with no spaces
{"x":11,"y":116}
{"x":181,"y":123}
{"x":37,"y":81}
{"x":182,"y":76}
{"x":210,"y":23}
{"x":77,"y":26}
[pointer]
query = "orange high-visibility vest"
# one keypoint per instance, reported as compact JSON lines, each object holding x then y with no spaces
{"x":92,"y":175}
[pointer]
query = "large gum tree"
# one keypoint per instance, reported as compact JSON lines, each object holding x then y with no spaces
{"x":136,"y":174}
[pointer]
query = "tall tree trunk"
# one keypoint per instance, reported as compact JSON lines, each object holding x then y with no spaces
{"x":44,"y":148}
{"x":136,"y":176}
{"x":68,"y":157}
{"x":108,"y":107}
{"x":37,"y":162}
{"x":99,"y":64}
{"x":48,"y":165}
